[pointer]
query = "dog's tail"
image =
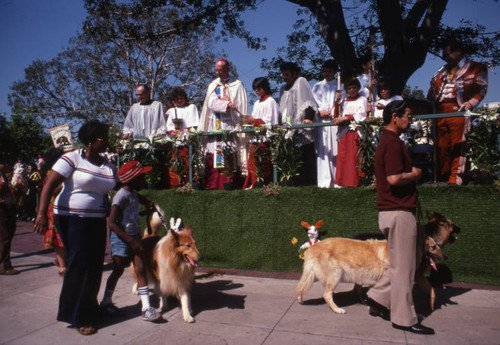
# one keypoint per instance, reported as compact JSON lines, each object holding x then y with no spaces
{"x":307,"y":279}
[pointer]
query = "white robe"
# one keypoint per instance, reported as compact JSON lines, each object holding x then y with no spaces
{"x":188,"y":114}
{"x":357,"y":108}
{"x":266,"y":110}
{"x":145,"y":120}
{"x":214,"y":107}
{"x":379,"y":113}
{"x":293,"y":104}
{"x":326,"y":137}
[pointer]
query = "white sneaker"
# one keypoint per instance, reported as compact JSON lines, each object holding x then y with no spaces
{"x":150,"y":314}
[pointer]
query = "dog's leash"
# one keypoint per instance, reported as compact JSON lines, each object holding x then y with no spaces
{"x":161,"y":218}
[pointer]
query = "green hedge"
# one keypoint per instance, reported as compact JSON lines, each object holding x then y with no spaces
{"x":247,"y":230}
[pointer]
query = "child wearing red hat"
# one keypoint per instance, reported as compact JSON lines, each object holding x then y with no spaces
{"x":125,"y":236}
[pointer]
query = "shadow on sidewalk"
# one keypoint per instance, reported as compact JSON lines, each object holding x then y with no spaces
{"x":31,"y":267}
{"x":40,"y":252}
{"x":210,"y":295}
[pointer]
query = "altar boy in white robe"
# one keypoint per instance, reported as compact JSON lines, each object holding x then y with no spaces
{"x":325,"y":93}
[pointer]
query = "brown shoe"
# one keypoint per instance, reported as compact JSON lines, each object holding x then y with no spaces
{"x":10,"y":272}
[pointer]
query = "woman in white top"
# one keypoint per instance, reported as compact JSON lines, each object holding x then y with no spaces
{"x":181,"y":117}
{"x":265,"y":111}
{"x":80,"y":210}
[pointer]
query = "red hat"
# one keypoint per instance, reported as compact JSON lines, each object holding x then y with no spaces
{"x":131,"y":170}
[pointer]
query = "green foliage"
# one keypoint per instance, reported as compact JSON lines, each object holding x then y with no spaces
{"x":147,"y":151}
{"x":483,"y":151}
{"x":286,"y":156}
{"x":124,"y":43}
{"x":398,"y":34}
{"x":247,"y":230}
{"x":229,"y":153}
{"x":367,"y":147}
{"x":23,"y":137}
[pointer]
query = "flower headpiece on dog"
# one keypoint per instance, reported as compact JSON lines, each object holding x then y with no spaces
{"x":131,"y":170}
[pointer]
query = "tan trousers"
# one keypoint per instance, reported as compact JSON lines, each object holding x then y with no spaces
{"x":394,"y":289}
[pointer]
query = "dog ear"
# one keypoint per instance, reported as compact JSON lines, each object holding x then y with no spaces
{"x":174,"y":235}
{"x":177,"y":223}
{"x":305,"y":224}
{"x":172,"y":222}
{"x":319,"y":224}
{"x":430,"y":216}
{"x":188,"y":230}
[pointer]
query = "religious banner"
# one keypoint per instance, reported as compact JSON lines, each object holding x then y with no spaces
{"x":62,"y":137}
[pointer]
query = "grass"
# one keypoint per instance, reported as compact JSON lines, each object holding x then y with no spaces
{"x":247,"y":230}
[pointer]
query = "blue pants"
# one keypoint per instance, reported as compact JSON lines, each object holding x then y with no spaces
{"x":85,"y":242}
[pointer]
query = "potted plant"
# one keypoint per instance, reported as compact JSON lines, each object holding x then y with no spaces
{"x":197,"y":158}
{"x":261,"y":156}
{"x":228,"y":158}
{"x":179,"y":158}
{"x":286,"y":156}
{"x":367,"y":147}
{"x":483,"y":147}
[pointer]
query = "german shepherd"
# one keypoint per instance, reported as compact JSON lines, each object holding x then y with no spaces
{"x":170,"y":262}
{"x":335,"y":260}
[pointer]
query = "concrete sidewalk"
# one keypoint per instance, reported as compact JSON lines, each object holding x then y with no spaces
{"x":232,"y":309}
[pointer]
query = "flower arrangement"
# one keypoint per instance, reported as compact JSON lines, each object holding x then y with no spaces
{"x":368,"y":145}
{"x":177,"y":161}
{"x":261,"y":152}
{"x":272,"y":189}
{"x":197,"y":158}
{"x":285,"y":154}
{"x":148,"y":151}
{"x":229,"y":154}
{"x":185,"y":189}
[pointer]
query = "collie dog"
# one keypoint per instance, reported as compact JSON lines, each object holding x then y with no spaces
{"x":170,"y":263}
{"x":363,"y":262}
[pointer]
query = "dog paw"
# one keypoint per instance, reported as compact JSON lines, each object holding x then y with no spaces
{"x":189,"y":319}
{"x":300,"y":300}
{"x":339,"y":311}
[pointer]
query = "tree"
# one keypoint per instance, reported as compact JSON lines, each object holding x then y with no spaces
{"x":23,"y":137}
{"x":122,"y":44}
{"x":406,"y":30}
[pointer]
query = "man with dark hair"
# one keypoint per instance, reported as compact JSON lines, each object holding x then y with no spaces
{"x":459,"y":85}
{"x":146,"y":117}
{"x":297,"y":106}
{"x":325,"y":93}
{"x":397,"y":203}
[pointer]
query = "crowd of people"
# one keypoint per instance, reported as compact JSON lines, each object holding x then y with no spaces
{"x":329,"y":154}
{"x":72,"y":208}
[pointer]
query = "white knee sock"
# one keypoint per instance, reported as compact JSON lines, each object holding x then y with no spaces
{"x":144,"y":293}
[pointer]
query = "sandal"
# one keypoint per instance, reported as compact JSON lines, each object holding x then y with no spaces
{"x":87,"y":330}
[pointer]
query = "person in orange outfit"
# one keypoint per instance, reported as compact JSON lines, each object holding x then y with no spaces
{"x":459,"y":85}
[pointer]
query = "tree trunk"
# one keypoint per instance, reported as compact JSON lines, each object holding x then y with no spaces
{"x":405,"y":41}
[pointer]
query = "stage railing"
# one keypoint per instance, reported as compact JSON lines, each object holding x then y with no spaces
{"x":433,"y":117}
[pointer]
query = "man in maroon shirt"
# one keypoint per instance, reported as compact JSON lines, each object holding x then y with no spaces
{"x":397,"y":202}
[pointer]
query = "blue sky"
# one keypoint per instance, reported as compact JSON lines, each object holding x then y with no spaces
{"x":39,"y":29}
